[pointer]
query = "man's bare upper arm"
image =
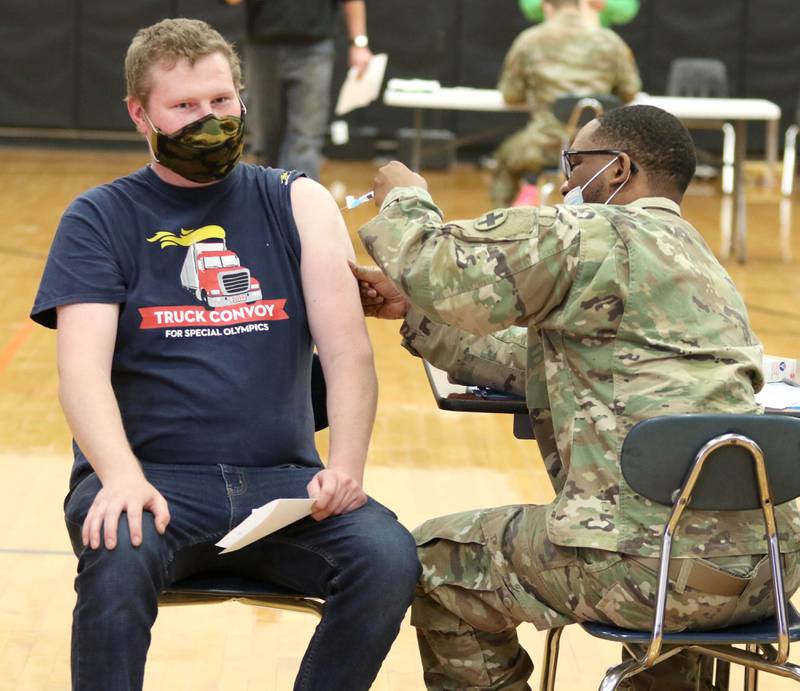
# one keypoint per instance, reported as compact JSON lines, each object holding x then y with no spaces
{"x":331,"y":293}
{"x":87,"y":333}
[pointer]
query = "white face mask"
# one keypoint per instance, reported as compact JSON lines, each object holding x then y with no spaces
{"x":575,"y":195}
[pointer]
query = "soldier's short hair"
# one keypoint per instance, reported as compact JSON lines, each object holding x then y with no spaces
{"x":165,"y":43}
{"x":655,"y":139}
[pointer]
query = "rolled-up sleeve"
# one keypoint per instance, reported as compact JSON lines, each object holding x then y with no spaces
{"x":510,"y":266}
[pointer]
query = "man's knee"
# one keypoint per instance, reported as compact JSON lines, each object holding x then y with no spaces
{"x":384,"y":556}
{"x":125,"y":569}
{"x":394,"y":564}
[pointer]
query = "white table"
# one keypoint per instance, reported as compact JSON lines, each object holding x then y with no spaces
{"x":697,"y":112}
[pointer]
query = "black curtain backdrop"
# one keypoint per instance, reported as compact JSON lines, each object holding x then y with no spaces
{"x":62,"y":67}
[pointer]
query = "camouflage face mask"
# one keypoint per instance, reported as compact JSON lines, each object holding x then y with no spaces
{"x":203,"y":151}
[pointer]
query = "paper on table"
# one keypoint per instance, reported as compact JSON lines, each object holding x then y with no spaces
{"x":416,"y":86}
{"x":361,"y":91}
{"x":779,"y":395}
{"x":264,"y":520}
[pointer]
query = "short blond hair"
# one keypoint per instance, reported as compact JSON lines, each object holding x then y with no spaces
{"x":165,"y":43}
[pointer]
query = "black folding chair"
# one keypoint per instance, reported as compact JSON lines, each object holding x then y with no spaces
{"x":705,"y":78}
{"x":716,"y":463}
{"x":574,"y":111}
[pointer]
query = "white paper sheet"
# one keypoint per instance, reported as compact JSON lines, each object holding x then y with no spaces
{"x":356,"y":91}
{"x":414,"y":86}
{"x":779,"y":395}
{"x":264,"y":520}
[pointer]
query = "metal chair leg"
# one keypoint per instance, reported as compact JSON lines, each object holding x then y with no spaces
{"x":619,"y":673}
{"x":550,"y":659}
{"x":747,"y":658}
{"x":751,"y":673}
{"x":616,"y":675}
{"x":722,"y":674}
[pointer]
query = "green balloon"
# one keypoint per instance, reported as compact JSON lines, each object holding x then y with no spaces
{"x":615,"y":11}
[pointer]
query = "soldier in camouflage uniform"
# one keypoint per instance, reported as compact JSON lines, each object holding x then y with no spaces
{"x":627,"y":316}
{"x":564,"y":55}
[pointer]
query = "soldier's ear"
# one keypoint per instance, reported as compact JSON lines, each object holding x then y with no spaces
{"x":622,"y":169}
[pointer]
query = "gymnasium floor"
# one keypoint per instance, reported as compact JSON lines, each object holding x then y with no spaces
{"x":423,"y":462}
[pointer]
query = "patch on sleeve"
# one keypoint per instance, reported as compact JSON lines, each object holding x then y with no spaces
{"x":491,"y":220}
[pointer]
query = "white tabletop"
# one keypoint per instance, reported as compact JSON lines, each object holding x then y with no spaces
{"x":450,"y":98}
{"x":686,"y":108}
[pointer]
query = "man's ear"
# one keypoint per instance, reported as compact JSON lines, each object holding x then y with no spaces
{"x":622,"y":169}
{"x":136,"y":113}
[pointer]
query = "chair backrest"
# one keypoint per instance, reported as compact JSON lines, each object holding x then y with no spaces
{"x":658,"y":453}
{"x":700,"y":77}
{"x":576,"y":110}
{"x":715,"y":462}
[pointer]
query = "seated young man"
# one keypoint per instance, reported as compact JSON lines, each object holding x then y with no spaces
{"x":627,"y":315}
{"x":188,"y":297}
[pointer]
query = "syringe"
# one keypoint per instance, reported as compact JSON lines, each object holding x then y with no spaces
{"x":351,"y":202}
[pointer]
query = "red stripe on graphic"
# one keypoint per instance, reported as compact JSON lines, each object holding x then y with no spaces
{"x":177,"y":316}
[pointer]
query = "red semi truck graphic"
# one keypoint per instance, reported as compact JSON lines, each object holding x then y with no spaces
{"x":214,"y":275}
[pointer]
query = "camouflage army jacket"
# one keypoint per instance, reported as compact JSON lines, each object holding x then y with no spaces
{"x":565,"y":55}
{"x":628,"y":315}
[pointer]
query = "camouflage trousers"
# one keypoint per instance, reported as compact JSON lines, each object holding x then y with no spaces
{"x":527,"y":152}
{"x":485,"y":572}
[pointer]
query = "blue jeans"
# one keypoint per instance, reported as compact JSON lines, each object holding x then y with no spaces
{"x":363,"y":563}
{"x":289,"y":87}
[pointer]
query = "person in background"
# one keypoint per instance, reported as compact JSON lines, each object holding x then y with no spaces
{"x":564,"y":55}
{"x":289,"y":55}
{"x":604,"y":12}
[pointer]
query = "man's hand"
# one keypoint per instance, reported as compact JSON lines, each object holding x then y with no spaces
{"x":392,"y":175}
{"x":359,"y":58}
{"x":335,"y":493}
{"x":132,"y":494}
{"x":379,"y":296}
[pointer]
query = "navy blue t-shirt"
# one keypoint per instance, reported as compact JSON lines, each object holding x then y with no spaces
{"x":212,"y":362}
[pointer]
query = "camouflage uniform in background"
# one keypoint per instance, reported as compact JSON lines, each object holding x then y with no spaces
{"x":628,"y":316}
{"x":564,"y":55}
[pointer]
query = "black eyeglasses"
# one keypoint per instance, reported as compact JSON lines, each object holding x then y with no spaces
{"x":567,"y":164}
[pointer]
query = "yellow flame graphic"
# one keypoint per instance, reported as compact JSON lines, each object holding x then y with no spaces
{"x":188,"y":237}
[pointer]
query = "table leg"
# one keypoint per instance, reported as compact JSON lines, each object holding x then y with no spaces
{"x":726,"y":224}
{"x":740,"y":210}
{"x":772,"y":151}
{"x":416,"y":147}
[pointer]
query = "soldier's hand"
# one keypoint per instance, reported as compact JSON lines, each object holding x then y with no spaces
{"x":392,"y":175}
{"x":379,"y":296}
